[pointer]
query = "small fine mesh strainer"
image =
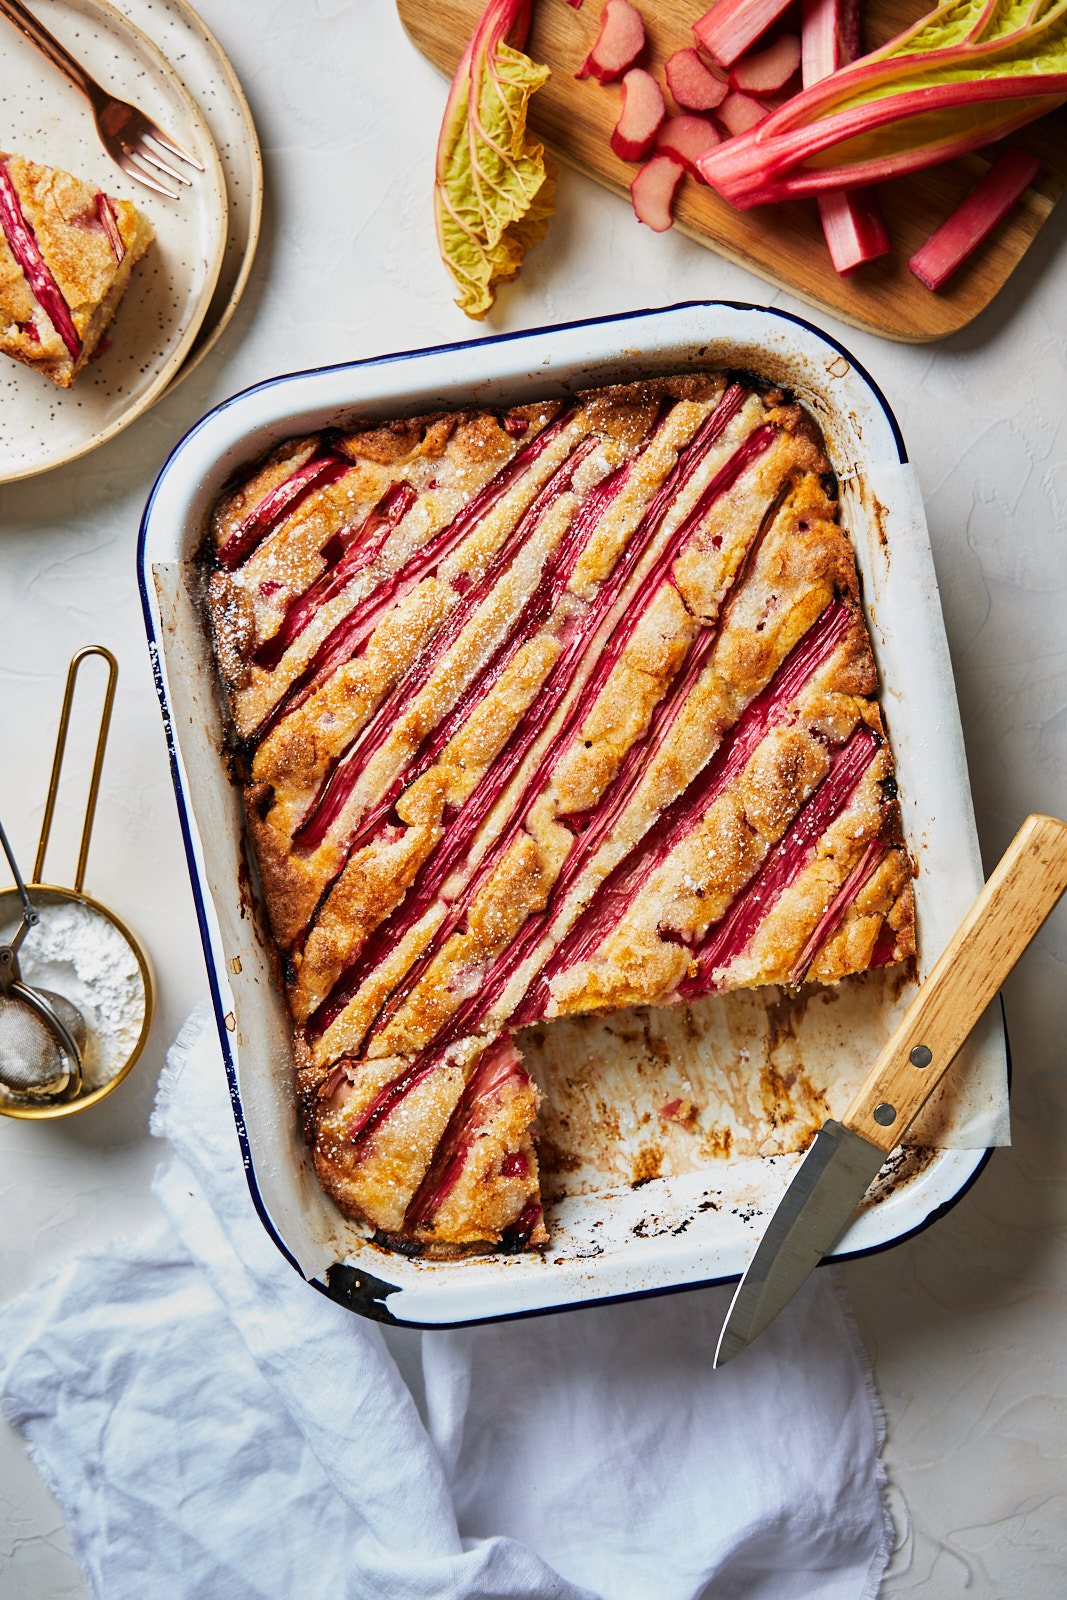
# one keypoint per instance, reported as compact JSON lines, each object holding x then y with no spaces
{"x":51,"y":1057}
{"x":42,"y":1034}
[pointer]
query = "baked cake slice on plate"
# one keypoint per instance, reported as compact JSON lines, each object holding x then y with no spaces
{"x":66,"y":255}
{"x":546,"y":710}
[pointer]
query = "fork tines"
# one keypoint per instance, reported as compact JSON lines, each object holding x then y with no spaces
{"x":154,"y":131}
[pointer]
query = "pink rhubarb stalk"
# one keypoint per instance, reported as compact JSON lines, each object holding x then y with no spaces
{"x":343,"y":642}
{"x":345,"y":556}
{"x":22,"y":241}
{"x":974,"y":218}
{"x":832,"y":917}
{"x":450,"y":853}
{"x":852,"y":221}
{"x":853,"y":227}
{"x":829,"y":37}
{"x":970,"y":72}
{"x":110,"y":224}
{"x":282,"y":501}
{"x":617,"y":892}
{"x":753,"y":447}
{"x":732,"y":26}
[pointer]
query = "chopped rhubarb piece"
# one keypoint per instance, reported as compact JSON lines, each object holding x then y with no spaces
{"x":684,"y":1112}
{"x":517,"y":1236}
{"x":686,"y":138}
{"x":652,"y":192}
{"x":110,"y":224}
{"x":333,"y":1081}
{"x":619,"y":43}
{"x":389,"y":1097}
{"x":22,"y":242}
{"x":829,"y":37}
{"x":732,"y":26}
{"x":739,"y":112}
{"x":770,"y":69}
{"x":974,"y":218}
{"x":692,"y":83}
{"x":854,"y":227}
{"x":642,"y":112}
{"x":852,"y":221}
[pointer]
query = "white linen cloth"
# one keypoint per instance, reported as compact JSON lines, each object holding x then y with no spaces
{"x":214,"y":1427}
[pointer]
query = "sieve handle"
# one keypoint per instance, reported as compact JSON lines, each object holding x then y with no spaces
{"x":98,"y":761}
{"x":9,"y":953}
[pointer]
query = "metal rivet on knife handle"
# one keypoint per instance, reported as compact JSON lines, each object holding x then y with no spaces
{"x":1014,"y":903}
{"x":885,"y":1114}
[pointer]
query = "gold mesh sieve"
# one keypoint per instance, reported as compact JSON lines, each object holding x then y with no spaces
{"x":45,"y":894}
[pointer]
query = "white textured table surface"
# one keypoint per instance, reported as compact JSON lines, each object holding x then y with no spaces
{"x":966,"y":1322}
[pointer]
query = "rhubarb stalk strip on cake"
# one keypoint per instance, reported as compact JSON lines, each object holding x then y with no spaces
{"x":539,"y":712}
{"x":66,"y":254}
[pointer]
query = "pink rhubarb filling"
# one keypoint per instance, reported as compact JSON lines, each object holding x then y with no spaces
{"x":466,"y":824}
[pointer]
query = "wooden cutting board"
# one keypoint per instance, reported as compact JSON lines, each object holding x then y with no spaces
{"x":783,"y":243}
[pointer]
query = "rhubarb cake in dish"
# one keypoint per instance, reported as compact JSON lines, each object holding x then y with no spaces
{"x":66,"y":254}
{"x":540,"y":711}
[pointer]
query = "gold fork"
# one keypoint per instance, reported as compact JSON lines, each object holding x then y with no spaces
{"x":124,"y":131}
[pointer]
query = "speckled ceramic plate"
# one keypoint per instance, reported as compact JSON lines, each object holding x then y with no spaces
{"x":44,"y":119}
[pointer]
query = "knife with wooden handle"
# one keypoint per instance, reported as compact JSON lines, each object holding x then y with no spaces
{"x":847,"y":1155}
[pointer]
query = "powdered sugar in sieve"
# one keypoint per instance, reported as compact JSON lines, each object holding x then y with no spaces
{"x":78,"y":953}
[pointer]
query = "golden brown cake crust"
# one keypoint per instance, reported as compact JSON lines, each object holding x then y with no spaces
{"x":546,"y":710}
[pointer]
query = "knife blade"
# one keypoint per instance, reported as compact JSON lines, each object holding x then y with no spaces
{"x":847,"y":1155}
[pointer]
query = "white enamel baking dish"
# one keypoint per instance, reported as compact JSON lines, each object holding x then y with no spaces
{"x":670,"y":1233}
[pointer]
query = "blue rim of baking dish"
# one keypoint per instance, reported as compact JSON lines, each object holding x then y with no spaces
{"x":355,"y":1287}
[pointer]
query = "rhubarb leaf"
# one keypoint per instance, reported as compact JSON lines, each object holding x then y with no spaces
{"x":970,"y":72}
{"x":495,"y":191}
